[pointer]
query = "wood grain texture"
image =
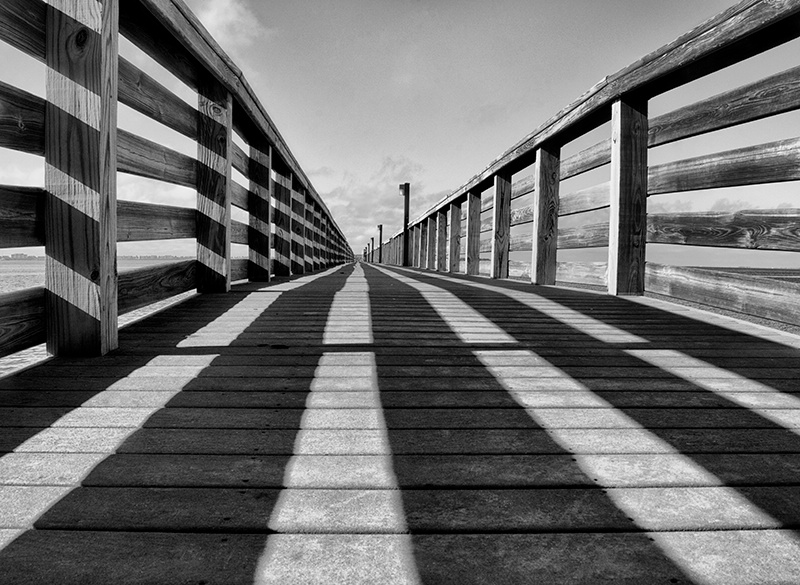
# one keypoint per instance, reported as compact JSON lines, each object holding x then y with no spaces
{"x":138,"y":221}
{"x":240,"y":196}
{"x":22,"y":320}
{"x":240,"y":160}
{"x":80,"y":178}
{"x":145,"y":158}
{"x":628,"y":227}
{"x":281,"y":223}
{"x":455,"y":237}
{"x":589,"y":158}
{"x":423,"y":245}
{"x":259,"y":207}
{"x":594,"y":273}
{"x":145,"y":286}
{"x":147,"y":96}
{"x":752,"y":229}
{"x":21,"y":216}
{"x":214,"y":139}
{"x":298,"y":214}
{"x":430,"y":262}
{"x":239,"y":232}
{"x":770,"y":299}
{"x":501,"y":225}
{"x":765,"y":163}
{"x":238,"y":269}
{"x":473,"y":232}
{"x":21,"y":120}
{"x":22,"y":25}
{"x":544,"y":233}
{"x":441,"y":241}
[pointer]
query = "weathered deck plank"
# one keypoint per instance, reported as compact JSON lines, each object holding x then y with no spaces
{"x":403,"y":425}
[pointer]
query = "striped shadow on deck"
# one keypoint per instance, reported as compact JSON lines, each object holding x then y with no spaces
{"x":372,"y":425}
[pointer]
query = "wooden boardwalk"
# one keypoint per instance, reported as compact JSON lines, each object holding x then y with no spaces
{"x":381,"y":425}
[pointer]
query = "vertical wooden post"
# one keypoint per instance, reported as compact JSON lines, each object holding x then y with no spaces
{"x":628,"y":220}
{"x":80,"y":177}
{"x":416,"y":243}
{"x":441,"y":240}
{"x":319,"y":261}
{"x":372,"y":250}
{"x":308,"y":233}
{"x":282,"y":223}
{"x":423,"y":244}
{"x":380,"y":243}
{"x":455,"y":236}
{"x":405,"y":190}
{"x":298,"y":248}
{"x":501,"y":224}
{"x":431,"y":263}
{"x":545,"y":215}
{"x":258,"y":205}
{"x":473,"y":235}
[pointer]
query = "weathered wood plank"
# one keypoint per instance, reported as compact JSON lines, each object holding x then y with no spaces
{"x":423,"y":244}
{"x":544,"y":233}
{"x":22,"y":25}
{"x":239,"y":269}
{"x":21,"y":120}
{"x":145,"y":158}
{"x":755,"y":228}
{"x":765,"y":163}
{"x":21,"y":216}
{"x":441,"y":241}
{"x":147,"y":96}
{"x":138,"y":221}
{"x":239,"y":232}
{"x":430,"y":262}
{"x":145,"y":286}
{"x":595,"y":273}
{"x":240,"y":196}
{"x":501,"y":225}
{"x":590,"y":158}
{"x":240,"y":160}
{"x":594,"y":235}
{"x":259,"y":207}
{"x":770,"y":299}
{"x":473,"y":233}
{"x":455,"y":236}
{"x":628,"y":218}
{"x":81,"y":179}
{"x":22,"y":320}
{"x":589,"y":199}
{"x":215,"y":131}
{"x":298,"y":252}
{"x":282,"y":223}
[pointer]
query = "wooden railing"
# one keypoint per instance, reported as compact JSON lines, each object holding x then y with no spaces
{"x":76,"y":215}
{"x":743,"y":31}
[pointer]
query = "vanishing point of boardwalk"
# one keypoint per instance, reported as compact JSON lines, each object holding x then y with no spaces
{"x":385,"y":425}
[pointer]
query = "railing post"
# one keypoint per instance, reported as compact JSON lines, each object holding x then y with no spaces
{"x":298,"y":247}
{"x":281,"y":221}
{"x":372,"y":250}
{"x":380,"y":243}
{"x":628,"y":220}
{"x":455,"y":236}
{"x":80,"y":178}
{"x":501,"y":224}
{"x":473,"y":235}
{"x":308,"y":232}
{"x":545,"y":215}
{"x":319,"y":260}
{"x":258,"y":268}
{"x":417,"y":245}
{"x":441,"y":241}
{"x":423,"y":243}
{"x":431,"y":249}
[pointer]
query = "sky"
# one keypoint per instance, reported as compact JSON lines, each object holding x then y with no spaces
{"x":370,"y":94}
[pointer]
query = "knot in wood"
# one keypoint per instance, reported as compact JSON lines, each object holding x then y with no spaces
{"x":95,"y":275}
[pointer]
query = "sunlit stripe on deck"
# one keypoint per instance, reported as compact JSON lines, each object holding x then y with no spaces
{"x":781,"y":408}
{"x":467,"y":323}
{"x":50,"y":464}
{"x":570,"y":317}
{"x":699,"y":528}
{"x":349,"y":320}
{"x":340,"y":518}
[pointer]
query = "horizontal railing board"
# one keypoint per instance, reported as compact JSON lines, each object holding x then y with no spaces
{"x":239,"y":269}
{"x":744,"y":30}
{"x":239,"y":232}
{"x":240,"y":196}
{"x":145,"y":158}
{"x":137,"y":221}
{"x":777,"y":229}
{"x":145,"y":286}
{"x":147,"y":96}
{"x":22,"y":322}
{"x":21,"y":216}
{"x":22,"y":25}
{"x":765,"y":163}
{"x":21,"y":120}
{"x":593,"y":273}
{"x":239,"y":160}
{"x":759,"y":297}
{"x":589,"y":158}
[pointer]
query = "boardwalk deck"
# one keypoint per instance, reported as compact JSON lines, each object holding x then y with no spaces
{"x":384,"y":425}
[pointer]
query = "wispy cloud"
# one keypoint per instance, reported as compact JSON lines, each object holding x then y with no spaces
{"x":232,"y":23}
